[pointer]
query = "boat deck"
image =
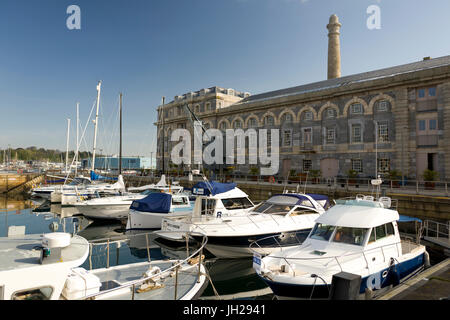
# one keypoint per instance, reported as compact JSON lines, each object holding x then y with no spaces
{"x":122,"y":275}
{"x":18,"y":252}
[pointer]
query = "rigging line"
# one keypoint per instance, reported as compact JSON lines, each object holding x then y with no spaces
{"x":84,"y":131}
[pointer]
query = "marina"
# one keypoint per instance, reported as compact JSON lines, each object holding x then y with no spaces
{"x":139,"y":174}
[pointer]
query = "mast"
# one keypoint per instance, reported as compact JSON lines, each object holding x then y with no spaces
{"x":77,"y":150}
{"x":96,"y":123}
{"x":67,"y":143}
{"x":163,"y":135}
{"x":120,"y":145}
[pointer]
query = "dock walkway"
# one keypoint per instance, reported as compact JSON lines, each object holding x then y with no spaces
{"x":431,"y":284}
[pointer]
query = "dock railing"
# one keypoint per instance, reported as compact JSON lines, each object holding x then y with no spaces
{"x":176,"y":265}
{"x":438,"y":230}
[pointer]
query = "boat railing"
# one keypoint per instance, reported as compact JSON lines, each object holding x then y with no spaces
{"x":387,"y":202}
{"x":176,"y":265}
{"x":340,"y":259}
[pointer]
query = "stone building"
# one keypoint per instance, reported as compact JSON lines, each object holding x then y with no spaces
{"x":332,"y":125}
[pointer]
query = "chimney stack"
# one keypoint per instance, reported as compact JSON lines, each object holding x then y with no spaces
{"x":334,"y":48}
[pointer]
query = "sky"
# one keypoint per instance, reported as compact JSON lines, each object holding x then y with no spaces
{"x":147,"y":49}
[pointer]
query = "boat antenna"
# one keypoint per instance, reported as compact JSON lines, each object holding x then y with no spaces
{"x":120,"y":143}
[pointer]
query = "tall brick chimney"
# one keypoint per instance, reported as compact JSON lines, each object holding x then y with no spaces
{"x":334,"y":48}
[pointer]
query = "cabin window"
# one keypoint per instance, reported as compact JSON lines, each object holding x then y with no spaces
{"x":237,"y":203}
{"x":271,"y":208}
{"x":348,"y":235}
{"x":322,"y":231}
{"x":381,"y":232}
{"x":42,"y":293}
{"x":179,"y":201}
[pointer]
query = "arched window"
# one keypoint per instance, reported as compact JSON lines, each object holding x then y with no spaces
{"x":252,"y":123}
{"x":330,"y":113}
{"x":269,"y":121}
{"x":223,"y":125}
{"x":308,"y":116}
{"x":286,"y":118}
{"x":356,"y":108}
{"x":237,"y":124}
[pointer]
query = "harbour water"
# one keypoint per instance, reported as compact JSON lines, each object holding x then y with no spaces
{"x":231,"y":278}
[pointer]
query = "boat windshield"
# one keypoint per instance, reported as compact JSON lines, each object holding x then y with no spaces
{"x":179,"y":200}
{"x":322,"y":231}
{"x":364,"y":203}
{"x":349,"y":235}
{"x":271,"y":208}
{"x":237,"y":203}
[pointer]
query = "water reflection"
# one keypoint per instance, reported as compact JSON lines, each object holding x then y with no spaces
{"x":232,"y":279}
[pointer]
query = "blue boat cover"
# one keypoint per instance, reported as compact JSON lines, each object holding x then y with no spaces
{"x":302,"y":197}
{"x":154,"y":202}
{"x":95,"y":177}
{"x":408,"y":219}
{"x":203,"y":188}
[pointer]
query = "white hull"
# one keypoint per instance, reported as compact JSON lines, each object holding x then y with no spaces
{"x":112,"y":211}
{"x":150,"y":220}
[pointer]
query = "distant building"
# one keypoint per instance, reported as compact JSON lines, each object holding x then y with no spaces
{"x":332,"y":125}
{"x":112,"y":163}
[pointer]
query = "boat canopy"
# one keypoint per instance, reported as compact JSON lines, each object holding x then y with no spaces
{"x":357,"y":216}
{"x":154,"y":202}
{"x":212,"y":188}
{"x":408,"y":219}
{"x":95,"y":177}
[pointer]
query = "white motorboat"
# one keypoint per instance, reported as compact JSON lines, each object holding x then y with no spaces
{"x":161,"y":186}
{"x":358,"y":236}
{"x":45,"y":191}
{"x":288,"y":216}
{"x":117,"y":207}
{"x":44,"y":267}
{"x":148,"y":212}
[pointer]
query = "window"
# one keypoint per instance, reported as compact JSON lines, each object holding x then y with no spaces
{"x":384,"y":165}
{"x":421,"y":125}
{"x":426,"y":93}
{"x":383,"y":135}
{"x":287,"y":138}
{"x":269,"y":121}
{"x":252,"y":123}
{"x":330,"y":138}
{"x":237,"y":124}
{"x":356,"y":108}
{"x":322,"y":232}
{"x":208,"y":106}
{"x":237,"y":203}
{"x":271,"y":208}
{"x":357,"y":165}
{"x":223,"y":125}
{"x":307,"y":135}
{"x":197,"y":108}
{"x":382,"y":106}
{"x":433,"y":124}
{"x":308,"y":116}
{"x":307,"y":165}
{"x":269,"y":138}
{"x":381,"y":232}
{"x":43,"y":293}
{"x":356,"y":133}
{"x":330,"y":113}
{"x":181,"y":126}
{"x":208,"y":206}
{"x":348,"y":235}
{"x":287,"y":117}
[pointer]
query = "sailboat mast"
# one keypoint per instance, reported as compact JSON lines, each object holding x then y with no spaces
{"x":77,"y":150}
{"x":163,"y":135}
{"x":120,"y":144}
{"x":96,"y":124}
{"x":67,"y":144}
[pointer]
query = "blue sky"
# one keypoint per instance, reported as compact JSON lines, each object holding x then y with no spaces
{"x":153,"y":48}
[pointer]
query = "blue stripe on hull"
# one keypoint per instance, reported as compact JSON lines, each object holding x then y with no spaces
{"x":321,"y":291}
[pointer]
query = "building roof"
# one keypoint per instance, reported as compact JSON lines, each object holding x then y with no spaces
{"x":348,"y":80}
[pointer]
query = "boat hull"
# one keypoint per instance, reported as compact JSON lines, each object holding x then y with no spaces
{"x":238,"y":246}
{"x":106,"y":212}
{"x":150,"y":220}
{"x":375,"y":281}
